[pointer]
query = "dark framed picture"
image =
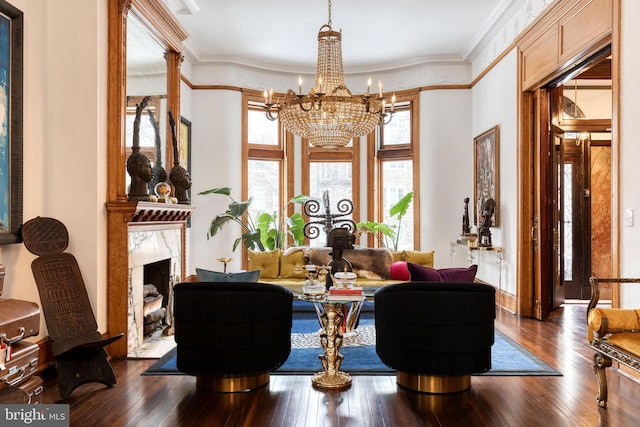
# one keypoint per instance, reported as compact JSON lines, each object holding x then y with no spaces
{"x":11,"y":44}
{"x":486,"y":170}
{"x":185,"y":144}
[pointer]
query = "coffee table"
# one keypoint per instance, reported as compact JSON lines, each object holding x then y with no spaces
{"x":331,"y":314}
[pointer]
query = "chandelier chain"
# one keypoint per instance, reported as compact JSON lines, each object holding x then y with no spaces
{"x":329,"y":22}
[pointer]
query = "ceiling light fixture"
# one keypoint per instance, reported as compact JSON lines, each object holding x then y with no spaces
{"x":329,"y":116}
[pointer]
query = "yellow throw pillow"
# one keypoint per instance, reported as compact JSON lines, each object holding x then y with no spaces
{"x":292,"y":263}
{"x":267,"y":262}
{"x":397,"y":255}
{"x":419,"y":257}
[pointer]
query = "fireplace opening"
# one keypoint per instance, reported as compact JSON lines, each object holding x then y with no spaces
{"x":157,"y":277}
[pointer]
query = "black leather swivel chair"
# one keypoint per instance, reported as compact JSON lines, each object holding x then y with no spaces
{"x":435,"y":334}
{"x":231,"y":335}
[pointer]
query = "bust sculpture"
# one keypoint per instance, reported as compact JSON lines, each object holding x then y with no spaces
{"x":138,"y":165}
{"x":486,"y":221}
{"x":178,"y":176}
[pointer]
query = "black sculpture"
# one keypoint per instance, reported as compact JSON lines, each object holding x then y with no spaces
{"x":466,"y":229}
{"x":138,"y":165}
{"x":159,"y":173}
{"x":484,"y":231}
{"x":339,"y":240}
{"x":178,"y":176}
{"x":329,"y":220}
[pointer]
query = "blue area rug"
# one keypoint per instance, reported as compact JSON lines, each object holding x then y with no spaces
{"x":507,"y":357}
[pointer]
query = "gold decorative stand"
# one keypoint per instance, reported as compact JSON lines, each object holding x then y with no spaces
{"x":331,"y":340}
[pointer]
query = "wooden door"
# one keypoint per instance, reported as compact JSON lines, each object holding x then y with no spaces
{"x":542,"y":231}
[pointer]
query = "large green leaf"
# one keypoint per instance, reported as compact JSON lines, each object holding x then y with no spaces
{"x":222,"y":190}
{"x":296,"y":228}
{"x":400,"y":208}
{"x":238,"y":209}
{"x":251,"y":240}
{"x":300,"y":198}
{"x":375,"y":227}
{"x":218,"y":222}
{"x":267,"y":224}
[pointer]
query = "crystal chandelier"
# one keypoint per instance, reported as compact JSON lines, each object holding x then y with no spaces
{"x":329,"y":115}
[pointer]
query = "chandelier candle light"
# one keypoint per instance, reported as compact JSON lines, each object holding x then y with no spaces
{"x":329,"y":116}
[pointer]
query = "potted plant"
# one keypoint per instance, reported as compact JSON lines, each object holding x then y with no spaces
{"x":386,"y":235}
{"x":268,"y":232}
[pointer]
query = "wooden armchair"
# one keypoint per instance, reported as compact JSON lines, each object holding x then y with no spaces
{"x":77,"y":345}
{"x":614,"y":334}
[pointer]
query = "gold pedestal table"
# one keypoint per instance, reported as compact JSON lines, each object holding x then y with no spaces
{"x":332,"y":319}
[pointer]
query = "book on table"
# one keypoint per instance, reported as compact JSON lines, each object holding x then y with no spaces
{"x":344,"y":298}
{"x":346,"y":291}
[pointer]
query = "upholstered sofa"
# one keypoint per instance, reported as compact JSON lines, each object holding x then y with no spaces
{"x":372,"y":265}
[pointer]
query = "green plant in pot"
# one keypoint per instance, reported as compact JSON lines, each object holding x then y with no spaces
{"x":387,"y":236}
{"x":268,"y":232}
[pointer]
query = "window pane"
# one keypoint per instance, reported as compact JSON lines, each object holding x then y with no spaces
{"x":264,"y":186}
{"x":397,"y":181}
{"x":398,"y":131}
{"x":261,"y":130}
{"x":568,"y":221}
{"x":336,"y":177}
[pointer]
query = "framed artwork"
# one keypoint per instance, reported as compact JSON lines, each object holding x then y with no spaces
{"x":486,"y":171}
{"x":11,"y":44}
{"x":185,"y":144}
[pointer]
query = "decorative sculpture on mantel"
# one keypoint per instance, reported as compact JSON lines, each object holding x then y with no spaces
{"x":178,"y":176}
{"x":159,"y":173}
{"x":138,"y":165}
{"x":329,"y":221}
{"x":484,"y":231}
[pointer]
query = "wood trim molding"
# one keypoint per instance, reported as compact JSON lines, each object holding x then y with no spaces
{"x":163,"y":26}
{"x":160,"y":21}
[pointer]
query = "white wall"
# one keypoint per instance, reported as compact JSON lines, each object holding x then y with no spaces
{"x":216,"y":161}
{"x":630,"y":148}
{"x":64,"y":139}
{"x":494,"y":103}
{"x":446,"y":168}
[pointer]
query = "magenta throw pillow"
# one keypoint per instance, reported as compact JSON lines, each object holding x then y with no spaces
{"x":420,"y":273}
{"x":399,"y":271}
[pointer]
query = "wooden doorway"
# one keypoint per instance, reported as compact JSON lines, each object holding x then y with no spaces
{"x":571,"y":184}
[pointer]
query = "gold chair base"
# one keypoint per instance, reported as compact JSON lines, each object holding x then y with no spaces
{"x":231,"y":384}
{"x":434,"y":384}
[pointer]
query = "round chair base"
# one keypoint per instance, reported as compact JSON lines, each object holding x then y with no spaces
{"x":231,"y":384}
{"x":434,"y":384}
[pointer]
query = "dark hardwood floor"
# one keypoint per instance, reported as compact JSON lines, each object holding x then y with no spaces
{"x":568,"y":400}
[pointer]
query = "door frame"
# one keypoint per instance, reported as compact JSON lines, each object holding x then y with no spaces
{"x":532,"y":294}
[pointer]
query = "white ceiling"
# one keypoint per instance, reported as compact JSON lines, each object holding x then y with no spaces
{"x":377,"y":35}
